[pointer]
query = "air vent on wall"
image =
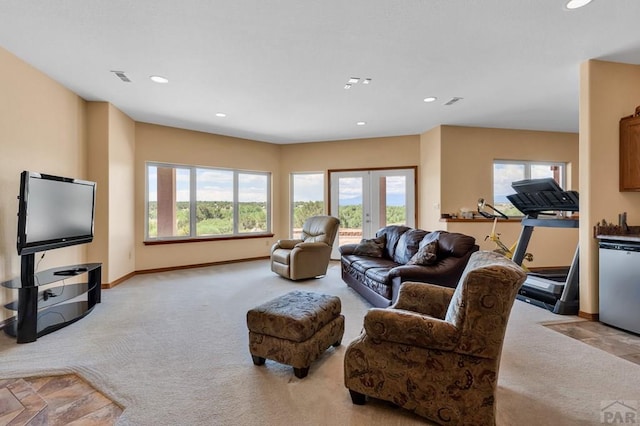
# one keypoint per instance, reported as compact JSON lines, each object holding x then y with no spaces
{"x":122,"y":76}
{"x":453,"y":100}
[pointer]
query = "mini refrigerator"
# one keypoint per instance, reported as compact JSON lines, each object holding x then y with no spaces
{"x":620,"y":284}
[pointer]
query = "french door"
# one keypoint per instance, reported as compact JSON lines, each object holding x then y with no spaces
{"x":367,"y":200}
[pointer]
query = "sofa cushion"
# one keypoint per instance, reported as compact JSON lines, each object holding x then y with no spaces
{"x":373,"y":281}
{"x":454,"y":244}
{"x":370,"y":247}
{"x":430,"y":237}
{"x":380,"y":275}
{"x":408,"y":245}
{"x":392,"y":233}
{"x":365,"y":263}
{"x":426,"y":255}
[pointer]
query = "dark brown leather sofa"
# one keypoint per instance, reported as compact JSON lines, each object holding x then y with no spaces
{"x":378,"y":279}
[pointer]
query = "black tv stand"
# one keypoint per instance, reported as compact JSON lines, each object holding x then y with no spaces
{"x":40,"y":312}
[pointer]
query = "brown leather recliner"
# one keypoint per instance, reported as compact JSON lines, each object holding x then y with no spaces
{"x":308,"y":257}
{"x":437,"y":350}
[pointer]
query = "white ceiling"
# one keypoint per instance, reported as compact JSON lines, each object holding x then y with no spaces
{"x":278,"y":68}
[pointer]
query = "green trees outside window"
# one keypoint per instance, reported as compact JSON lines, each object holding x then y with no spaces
{"x":192,"y":202}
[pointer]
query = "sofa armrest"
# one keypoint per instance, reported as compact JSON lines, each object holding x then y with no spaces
{"x":423,"y":298}
{"x":410,"y":328}
{"x":412,"y":272}
{"x":310,"y":246}
{"x":347,"y":249}
{"x":287,"y":244}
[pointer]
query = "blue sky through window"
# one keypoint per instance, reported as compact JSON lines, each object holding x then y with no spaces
{"x":351,"y":191}
{"x":212,"y":185}
{"x":308,"y":187}
{"x":503,"y":176}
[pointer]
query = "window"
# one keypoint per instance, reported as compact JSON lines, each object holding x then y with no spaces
{"x":506,"y":172}
{"x":307,"y":199}
{"x":185,"y":202}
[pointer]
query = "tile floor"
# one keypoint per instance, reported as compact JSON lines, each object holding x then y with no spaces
{"x":610,"y":339}
{"x":54,"y":400}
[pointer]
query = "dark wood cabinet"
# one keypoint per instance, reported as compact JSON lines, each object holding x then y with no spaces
{"x":630,"y":153}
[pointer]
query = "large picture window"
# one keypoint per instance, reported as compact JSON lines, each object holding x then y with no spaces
{"x":185,"y":202}
{"x":505,"y":172}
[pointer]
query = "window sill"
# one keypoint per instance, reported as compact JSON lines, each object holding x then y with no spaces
{"x":479,"y":219}
{"x":199,"y":240}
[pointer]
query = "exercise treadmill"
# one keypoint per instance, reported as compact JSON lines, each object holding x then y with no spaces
{"x":535,"y":198}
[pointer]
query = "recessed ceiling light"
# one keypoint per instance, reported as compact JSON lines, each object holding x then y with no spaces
{"x":430,"y":99}
{"x":575,"y":4}
{"x":366,"y":81}
{"x":361,"y":123}
{"x":347,"y":86}
{"x":220,"y":114}
{"x":159,"y":79}
{"x":354,"y":80}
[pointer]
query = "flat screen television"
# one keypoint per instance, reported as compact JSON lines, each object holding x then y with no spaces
{"x":54,"y":212}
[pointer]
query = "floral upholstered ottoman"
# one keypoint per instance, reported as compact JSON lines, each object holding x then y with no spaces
{"x":295,"y":329}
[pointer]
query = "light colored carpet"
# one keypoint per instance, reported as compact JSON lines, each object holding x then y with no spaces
{"x":172,"y":349}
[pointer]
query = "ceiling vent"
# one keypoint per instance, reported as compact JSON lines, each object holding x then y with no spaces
{"x":453,"y":100}
{"x":122,"y":76}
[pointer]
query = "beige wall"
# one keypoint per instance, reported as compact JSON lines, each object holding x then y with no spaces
{"x":111,"y":165}
{"x":177,"y":146}
{"x":608,"y":92}
{"x":98,"y":171}
{"x":372,"y":153}
{"x":429,"y":176}
{"x":467,"y":163}
{"x":121,"y":194}
{"x":42,"y":129}
{"x":469,"y":152}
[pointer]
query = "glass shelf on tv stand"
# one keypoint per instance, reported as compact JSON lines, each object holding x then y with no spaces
{"x":40,"y":312}
{"x":49,"y":276}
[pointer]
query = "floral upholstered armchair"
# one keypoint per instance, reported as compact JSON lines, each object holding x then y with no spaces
{"x":436,"y":351}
